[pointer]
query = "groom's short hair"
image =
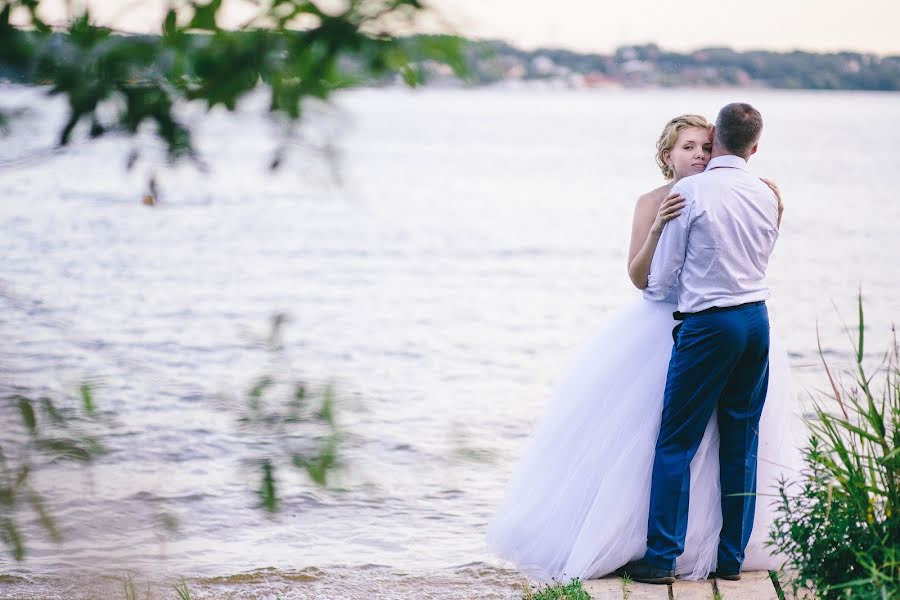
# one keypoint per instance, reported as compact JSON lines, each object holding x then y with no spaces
{"x":738,"y":127}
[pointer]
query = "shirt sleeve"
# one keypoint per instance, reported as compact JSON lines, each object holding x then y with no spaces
{"x":668,"y":260}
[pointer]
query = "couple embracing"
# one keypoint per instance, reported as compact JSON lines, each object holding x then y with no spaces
{"x":670,"y":429}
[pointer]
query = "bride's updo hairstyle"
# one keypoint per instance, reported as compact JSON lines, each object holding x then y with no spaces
{"x":670,"y":134}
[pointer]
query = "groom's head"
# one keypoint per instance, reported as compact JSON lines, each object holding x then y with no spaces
{"x":737,"y":130}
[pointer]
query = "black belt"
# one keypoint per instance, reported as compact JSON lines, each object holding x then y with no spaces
{"x":680,"y":316}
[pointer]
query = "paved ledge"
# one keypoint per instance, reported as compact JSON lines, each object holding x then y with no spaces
{"x":754,"y":585}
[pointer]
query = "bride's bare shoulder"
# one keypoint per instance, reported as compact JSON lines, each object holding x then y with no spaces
{"x":654,"y":197}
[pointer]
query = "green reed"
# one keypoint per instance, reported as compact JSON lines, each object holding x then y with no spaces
{"x":837,"y":522}
{"x":626,"y":586}
{"x":574,"y":590}
{"x":130,"y":589}
{"x":184,"y":593}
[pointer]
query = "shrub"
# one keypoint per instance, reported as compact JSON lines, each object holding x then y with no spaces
{"x":837,"y":522}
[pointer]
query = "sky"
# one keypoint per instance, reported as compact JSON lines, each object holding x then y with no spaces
{"x":602,"y":26}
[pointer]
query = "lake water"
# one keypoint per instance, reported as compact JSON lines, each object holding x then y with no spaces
{"x":439,"y":260}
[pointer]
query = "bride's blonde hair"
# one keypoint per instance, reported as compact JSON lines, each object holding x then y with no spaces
{"x":670,"y":134}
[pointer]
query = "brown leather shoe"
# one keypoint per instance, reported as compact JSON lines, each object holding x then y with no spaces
{"x":726,"y":576}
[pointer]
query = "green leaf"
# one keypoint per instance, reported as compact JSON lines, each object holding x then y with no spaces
{"x":890,"y":455}
{"x":170,"y":27}
{"x":12,"y":538}
{"x":267,"y":488}
{"x":326,"y":411}
{"x":27,"y":414}
{"x":857,"y":430}
{"x":46,"y":520}
{"x":87,"y":398}
{"x":7,"y":497}
{"x":65,"y":449}
{"x":254,"y":397}
{"x":168,"y":521}
{"x":205,"y":15}
{"x":74,"y":117}
{"x":38,"y":23}
{"x":410,"y":76}
{"x":296,"y":403}
{"x":85,"y":34}
{"x":184,"y":593}
{"x":318,"y":467}
{"x":22,"y":475}
{"x":859,"y":355}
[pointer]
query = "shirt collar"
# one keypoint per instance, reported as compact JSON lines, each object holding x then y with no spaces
{"x":728,"y":160}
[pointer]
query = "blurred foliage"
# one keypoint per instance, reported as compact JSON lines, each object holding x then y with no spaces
{"x":118,"y":83}
{"x":46,"y":430}
{"x":115,"y":82}
{"x":291,"y":423}
{"x":838,"y":523}
{"x":286,"y":423}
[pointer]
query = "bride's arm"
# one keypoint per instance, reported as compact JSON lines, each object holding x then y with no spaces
{"x":774,"y":187}
{"x":650,"y":216}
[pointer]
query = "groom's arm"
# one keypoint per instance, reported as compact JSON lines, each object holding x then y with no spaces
{"x":668,"y":260}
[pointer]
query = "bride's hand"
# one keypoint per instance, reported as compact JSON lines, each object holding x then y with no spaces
{"x":669,"y":209}
{"x":774,"y":187}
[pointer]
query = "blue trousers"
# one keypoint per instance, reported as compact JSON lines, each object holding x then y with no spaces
{"x":720,"y":359}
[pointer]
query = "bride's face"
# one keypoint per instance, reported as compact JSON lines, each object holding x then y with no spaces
{"x":691,"y":152}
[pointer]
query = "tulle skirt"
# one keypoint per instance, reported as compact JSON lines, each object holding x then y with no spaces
{"x":578,"y":499}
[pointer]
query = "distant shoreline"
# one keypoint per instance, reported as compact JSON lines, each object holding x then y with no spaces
{"x":649,"y":66}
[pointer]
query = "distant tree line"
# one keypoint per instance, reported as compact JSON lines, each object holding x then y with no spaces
{"x":650,"y":65}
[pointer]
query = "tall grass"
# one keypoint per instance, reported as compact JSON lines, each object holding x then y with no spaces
{"x":574,"y":590}
{"x":837,"y":523}
{"x":182,"y":589}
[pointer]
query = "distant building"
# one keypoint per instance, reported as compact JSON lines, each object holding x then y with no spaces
{"x":543,"y":65}
{"x":598,"y":80}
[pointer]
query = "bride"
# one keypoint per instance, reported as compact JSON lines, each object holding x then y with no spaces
{"x":578,"y":500}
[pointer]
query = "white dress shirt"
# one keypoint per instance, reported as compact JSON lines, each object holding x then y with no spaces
{"x":716,"y":252}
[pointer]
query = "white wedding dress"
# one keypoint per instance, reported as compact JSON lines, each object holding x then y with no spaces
{"x":578,"y":498}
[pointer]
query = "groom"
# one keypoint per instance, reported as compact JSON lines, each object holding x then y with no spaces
{"x":714,"y":255}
